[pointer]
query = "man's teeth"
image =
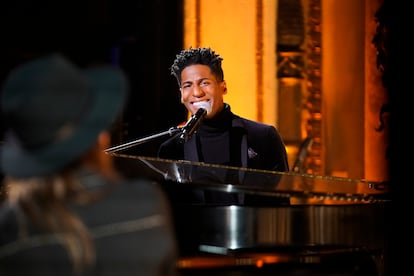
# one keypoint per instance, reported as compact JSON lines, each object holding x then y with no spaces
{"x":205,"y":105}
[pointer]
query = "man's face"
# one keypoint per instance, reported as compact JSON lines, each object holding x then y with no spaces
{"x":199,"y":84}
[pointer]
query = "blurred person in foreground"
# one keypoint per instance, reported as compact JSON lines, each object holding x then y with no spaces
{"x":223,"y":137}
{"x":68,"y":210}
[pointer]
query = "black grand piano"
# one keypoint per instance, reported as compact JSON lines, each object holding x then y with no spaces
{"x":330,"y":226}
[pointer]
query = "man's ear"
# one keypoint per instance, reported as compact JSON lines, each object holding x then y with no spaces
{"x":224,"y":87}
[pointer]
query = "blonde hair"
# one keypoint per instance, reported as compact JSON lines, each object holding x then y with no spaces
{"x":44,"y":201}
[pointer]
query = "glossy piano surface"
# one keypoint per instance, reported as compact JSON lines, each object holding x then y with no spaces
{"x":326,"y":216}
{"x":300,"y":188}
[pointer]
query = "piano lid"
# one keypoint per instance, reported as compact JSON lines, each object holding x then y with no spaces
{"x":298,"y":187}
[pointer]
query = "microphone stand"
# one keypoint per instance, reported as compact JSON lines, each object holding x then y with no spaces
{"x":172,"y":131}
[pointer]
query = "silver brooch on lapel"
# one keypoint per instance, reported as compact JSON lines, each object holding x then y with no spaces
{"x":251,"y":153}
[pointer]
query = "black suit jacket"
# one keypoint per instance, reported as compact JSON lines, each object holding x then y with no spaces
{"x":259,"y":146}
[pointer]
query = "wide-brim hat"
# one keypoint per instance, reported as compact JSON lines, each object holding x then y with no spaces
{"x":54,"y":112}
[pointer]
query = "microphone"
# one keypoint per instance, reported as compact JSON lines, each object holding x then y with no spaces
{"x":194,"y":122}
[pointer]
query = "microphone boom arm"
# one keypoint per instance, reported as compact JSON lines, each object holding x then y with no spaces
{"x":186,"y":131}
{"x":172,"y":131}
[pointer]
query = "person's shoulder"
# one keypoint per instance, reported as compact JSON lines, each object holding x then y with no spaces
{"x":257,"y":131}
{"x":171,"y":141}
{"x":249,"y":123}
{"x":8,"y":222}
{"x":139,"y":185}
{"x":172,"y":148}
{"x":134,"y":199}
{"x":135,"y":189}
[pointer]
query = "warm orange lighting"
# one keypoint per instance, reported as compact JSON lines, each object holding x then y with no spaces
{"x":290,"y":82}
{"x":259,"y":263}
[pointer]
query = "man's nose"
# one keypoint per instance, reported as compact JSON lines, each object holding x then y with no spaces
{"x":198,"y":91}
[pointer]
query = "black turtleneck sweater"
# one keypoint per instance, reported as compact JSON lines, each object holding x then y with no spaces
{"x":217,"y":142}
{"x":213,"y":140}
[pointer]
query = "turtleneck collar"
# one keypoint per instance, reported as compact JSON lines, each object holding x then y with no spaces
{"x":221,"y":122}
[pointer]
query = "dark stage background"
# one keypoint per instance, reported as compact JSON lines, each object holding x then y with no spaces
{"x":142,"y":38}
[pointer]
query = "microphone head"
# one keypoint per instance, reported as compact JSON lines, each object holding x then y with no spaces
{"x":204,"y":105}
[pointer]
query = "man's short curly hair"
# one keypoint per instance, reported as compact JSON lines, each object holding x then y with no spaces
{"x":201,"y":55}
